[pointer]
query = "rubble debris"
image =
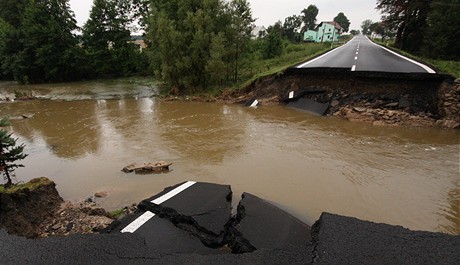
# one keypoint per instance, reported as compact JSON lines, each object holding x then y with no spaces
{"x":147,"y":167}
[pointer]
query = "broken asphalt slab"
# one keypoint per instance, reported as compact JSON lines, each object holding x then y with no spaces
{"x":310,"y":106}
{"x":179,"y":230}
{"x":345,"y":240}
{"x":193,"y":214}
{"x":113,"y":249}
{"x":269,"y":227}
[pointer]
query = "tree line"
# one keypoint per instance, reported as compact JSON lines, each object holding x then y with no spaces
{"x":39,"y":41}
{"x":193,"y":45}
{"x":425,"y":27}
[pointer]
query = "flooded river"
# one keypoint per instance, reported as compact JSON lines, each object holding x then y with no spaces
{"x":81,"y":135}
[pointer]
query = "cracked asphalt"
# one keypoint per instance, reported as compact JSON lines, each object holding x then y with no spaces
{"x":192,"y":224}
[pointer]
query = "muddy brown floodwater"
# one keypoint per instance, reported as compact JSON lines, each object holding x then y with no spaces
{"x":81,"y":135}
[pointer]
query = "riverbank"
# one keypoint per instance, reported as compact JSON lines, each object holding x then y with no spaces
{"x":380,"y":99}
{"x":36,"y":210}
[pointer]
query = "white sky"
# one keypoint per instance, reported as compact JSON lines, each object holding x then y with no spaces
{"x":267,"y":12}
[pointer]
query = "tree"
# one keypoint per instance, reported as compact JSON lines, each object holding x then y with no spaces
{"x":11,"y":11}
{"x":107,"y":38}
{"x":196,"y":44}
{"x":50,"y":51}
{"x":381,"y":29}
{"x":216,"y":62}
{"x":291,"y":28}
{"x":6,"y":44}
{"x":273,"y":44}
{"x":309,"y":17}
{"x":408,"y":19}
{"x":343,"y":21}
{"x":9,"y":153}
{"x":43,"y":47}
{"x":442,"y":38}
{"x":365,"y":26}
{"x":242,"y":25}
{"x":354,"y":32}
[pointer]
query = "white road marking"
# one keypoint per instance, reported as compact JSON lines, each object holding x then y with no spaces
{"x":134,"y":225}
{"x":356,"y":58}
{"x":357,"y":53}
{"x":317,"y":58}
{"x":291,"y":94}
{"x":353,"y":68}
{"x":174,"y":192}
{"x":145,"y":217}
{"x":426,"y":68}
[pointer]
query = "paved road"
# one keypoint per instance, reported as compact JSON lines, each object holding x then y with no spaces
{"x":360,"y":54}
{"x":191,"y":223}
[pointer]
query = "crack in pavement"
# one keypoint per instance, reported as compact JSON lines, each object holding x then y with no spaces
{"x":230,"y":236}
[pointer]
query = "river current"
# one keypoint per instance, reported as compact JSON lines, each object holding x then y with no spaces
{"x":82,"y":134}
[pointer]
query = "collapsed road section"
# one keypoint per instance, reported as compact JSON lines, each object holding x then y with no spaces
{"x":201,"y":212}
{"x":380,"y":98}
{"x":191,"y":223}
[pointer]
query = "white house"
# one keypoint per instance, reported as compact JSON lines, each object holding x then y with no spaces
{"x":258,"y":32}
{"x":325,"y":32}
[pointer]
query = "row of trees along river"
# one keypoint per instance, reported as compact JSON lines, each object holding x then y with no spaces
{"x":192,"y":45}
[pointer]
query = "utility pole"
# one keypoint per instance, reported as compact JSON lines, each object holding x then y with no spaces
{"x":332,"y":41}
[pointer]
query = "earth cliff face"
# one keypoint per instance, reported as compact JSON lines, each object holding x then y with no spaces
{"x":387,"y":99}
{"x":36,"y":210}
{"x":25,"y":209}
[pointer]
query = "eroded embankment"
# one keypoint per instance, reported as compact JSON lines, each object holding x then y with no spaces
{"x":36,"y":210}
{"x":394,"y":99}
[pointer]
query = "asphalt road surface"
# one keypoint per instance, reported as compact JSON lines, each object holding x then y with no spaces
{"x":191,"y":223}
{"x":361,"y":54}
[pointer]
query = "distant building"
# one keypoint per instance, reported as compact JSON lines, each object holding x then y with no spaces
{"x":139,"y":41}
{"x":258,"y":32}
{"x":324,"y":32}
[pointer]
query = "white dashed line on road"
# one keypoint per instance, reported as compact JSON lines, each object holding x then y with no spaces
{"x":145,"y":217}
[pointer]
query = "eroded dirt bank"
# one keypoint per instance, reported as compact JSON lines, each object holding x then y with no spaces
{"x":37,"y":210}
{"x":390,"y":99}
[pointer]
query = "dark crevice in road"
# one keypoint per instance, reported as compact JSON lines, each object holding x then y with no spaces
{"x":230,"y":236}
{"x":315,"y":241}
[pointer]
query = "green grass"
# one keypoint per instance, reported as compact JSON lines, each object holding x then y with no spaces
{"x":294,"y":54}
{"x":31,"y":185}
{"x":448,"y":67}
{"x":116,"y":213}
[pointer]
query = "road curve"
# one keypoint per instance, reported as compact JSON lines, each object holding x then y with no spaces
{"x":361,"y":54}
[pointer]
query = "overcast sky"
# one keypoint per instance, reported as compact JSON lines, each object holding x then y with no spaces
{"x":267,"y":12}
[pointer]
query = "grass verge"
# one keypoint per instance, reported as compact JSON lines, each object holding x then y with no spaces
{"x":294,"y":54}
{"x":31,"y":185}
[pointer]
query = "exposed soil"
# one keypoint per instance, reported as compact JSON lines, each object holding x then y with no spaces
{"x":383,"y":99}
{"x":41,"y":212}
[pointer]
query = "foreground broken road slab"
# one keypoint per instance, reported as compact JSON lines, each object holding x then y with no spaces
{"x":191,"y":223}
{"x":344,"y":240}
{"x":203,"y":211}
